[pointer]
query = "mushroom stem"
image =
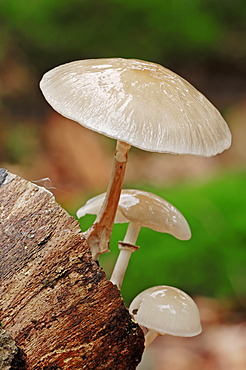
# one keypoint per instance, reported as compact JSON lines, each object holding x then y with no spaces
{"x":98,"y":235}
{"x":132,"y":233}
{"x":122,"y":262}
{"x":126,"y":247}
{"x":150,"y":337}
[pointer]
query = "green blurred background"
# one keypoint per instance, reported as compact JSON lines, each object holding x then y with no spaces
{"x":202,"y":40}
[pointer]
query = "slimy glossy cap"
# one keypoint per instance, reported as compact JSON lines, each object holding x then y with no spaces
{"x":137,"y":102}
{"x":145,"y":209}
{"x":167,"y":310}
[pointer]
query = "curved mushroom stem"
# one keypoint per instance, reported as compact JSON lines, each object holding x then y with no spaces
{"x":150,"y":337}
{"x":126,"y":247}
{"x":99,"y":233}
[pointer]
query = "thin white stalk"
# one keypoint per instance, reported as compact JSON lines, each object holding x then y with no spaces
{"x":150,"y":337}
{"x":132,"y":233}
{"x":127,"y":247}
{"x":120,"y":267}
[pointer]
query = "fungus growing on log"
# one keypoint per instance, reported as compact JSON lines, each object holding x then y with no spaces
{"x":137,"y":103}
{"x":55,"y":301}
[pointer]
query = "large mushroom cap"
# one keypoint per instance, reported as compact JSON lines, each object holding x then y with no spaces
{"x":140,"y":103}
{"x":166,"y":310}
{"x":145,"y":209}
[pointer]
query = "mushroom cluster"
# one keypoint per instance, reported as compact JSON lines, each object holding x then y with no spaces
{"x":152,"y":108}
{"x":139,"y":209}
{"x":137,"y":103}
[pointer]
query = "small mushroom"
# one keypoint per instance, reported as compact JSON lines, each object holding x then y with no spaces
{"x":140,"y":209}
{"x":166,"y":310}
{"x":137,"y":103}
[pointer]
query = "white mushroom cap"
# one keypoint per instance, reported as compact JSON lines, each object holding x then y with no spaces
{"x":93,"y":206}
{"x":145,"y":209}
{"x":166,"y":310}
{"x":140,"y":103}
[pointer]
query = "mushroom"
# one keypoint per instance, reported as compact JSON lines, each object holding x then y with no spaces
{"x":166,"y":310}
{"x":137,"y":103}
{"x":141,"y":209}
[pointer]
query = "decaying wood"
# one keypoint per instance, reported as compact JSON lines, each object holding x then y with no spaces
{"x":10,"y":355}
{"x":55,"y":301}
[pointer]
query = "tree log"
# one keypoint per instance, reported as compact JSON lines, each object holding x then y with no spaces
{"x":11,"y":356}
{"x":55,"y":301}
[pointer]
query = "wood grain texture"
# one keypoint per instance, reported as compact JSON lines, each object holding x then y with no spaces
{"x":55,"y":301}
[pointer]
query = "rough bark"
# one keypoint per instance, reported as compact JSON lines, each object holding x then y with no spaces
{"x":56,"y":302}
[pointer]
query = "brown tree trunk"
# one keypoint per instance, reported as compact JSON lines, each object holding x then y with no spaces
{"x":55,"y":301}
